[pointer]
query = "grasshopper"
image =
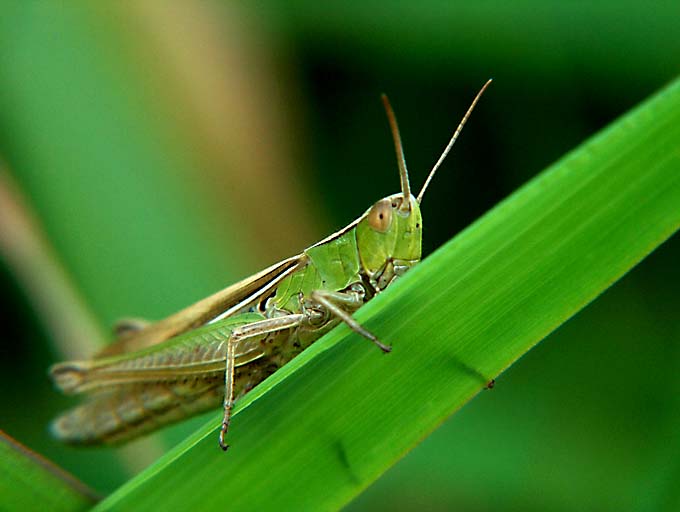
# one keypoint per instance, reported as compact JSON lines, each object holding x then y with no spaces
{"x":216,"y":350}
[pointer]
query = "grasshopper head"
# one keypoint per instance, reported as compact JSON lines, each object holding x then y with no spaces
{"x":389,"y":234}
{"x":389,"y":238}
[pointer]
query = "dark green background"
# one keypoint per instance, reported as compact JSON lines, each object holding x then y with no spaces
{"x":170,"y":149}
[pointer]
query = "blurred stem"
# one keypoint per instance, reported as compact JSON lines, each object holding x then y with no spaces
{"x":236,"y":106}
{"x":72,"y":326}
{"x":49,"y":289}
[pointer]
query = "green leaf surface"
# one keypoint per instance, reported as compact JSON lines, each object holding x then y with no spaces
{"x":30,"y":482}
{"x":316,"y":437}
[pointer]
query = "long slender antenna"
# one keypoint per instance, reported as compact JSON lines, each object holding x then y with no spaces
{"x":401,"y":161}
{"x":453,"y":140}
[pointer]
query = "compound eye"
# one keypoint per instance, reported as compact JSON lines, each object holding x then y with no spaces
{"x":380,"y":215}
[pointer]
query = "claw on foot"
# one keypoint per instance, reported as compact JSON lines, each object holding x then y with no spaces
{"x":385,"y":348}
{"x":223,"y":433}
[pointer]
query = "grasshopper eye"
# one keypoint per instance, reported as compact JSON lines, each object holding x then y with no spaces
{"x":380,"y":215}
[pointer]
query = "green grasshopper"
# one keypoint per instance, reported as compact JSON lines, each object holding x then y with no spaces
{"x":218,"y":349}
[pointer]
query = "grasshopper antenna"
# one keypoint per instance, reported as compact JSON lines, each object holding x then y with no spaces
{"x":453,"y":139}
{"x":401,"y":161}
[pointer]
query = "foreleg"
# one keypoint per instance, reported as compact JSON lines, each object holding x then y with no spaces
{"x":333,"y":302}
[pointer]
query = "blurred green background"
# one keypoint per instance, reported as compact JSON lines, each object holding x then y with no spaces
{"x":152,"y":152}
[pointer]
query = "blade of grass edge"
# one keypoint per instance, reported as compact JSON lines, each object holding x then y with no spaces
{"x":316,"y":439}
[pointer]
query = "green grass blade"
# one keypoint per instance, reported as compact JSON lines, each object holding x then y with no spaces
{"x":30,"y":482}
{"x":315,"y":439}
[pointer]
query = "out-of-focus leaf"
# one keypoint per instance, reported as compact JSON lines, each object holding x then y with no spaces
{"x":30,"y":482}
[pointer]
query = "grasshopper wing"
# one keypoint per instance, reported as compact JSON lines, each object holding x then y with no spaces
{"x":198,"y":354}
{"x":223,"y":304}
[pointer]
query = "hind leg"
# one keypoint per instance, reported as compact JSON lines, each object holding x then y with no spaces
{"x":251,"y":330}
